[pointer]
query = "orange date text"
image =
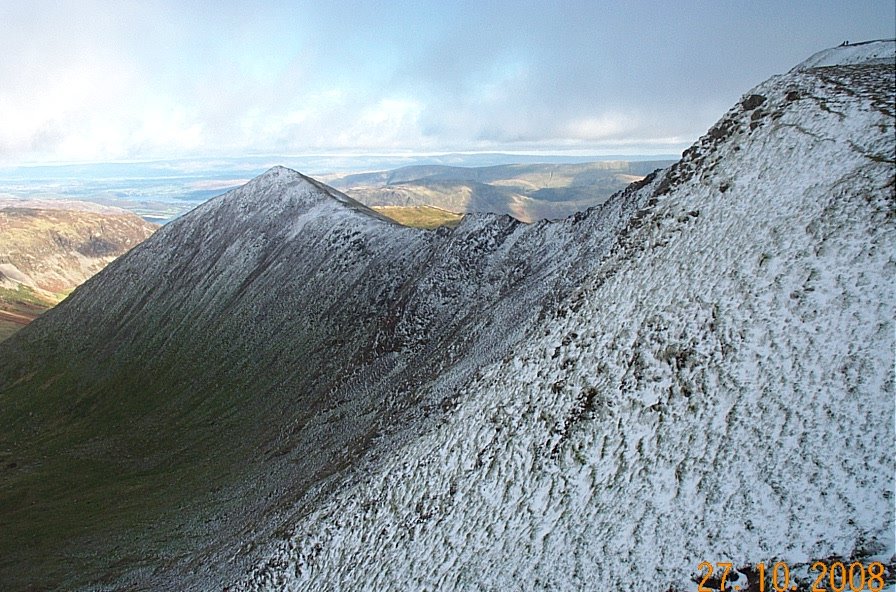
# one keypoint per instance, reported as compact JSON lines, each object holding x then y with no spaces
{"x":837,"y":576}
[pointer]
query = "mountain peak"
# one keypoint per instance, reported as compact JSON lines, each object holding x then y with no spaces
{"x":279,"y":189}
{"x":285,"y":180}
{"x":281,"y":175}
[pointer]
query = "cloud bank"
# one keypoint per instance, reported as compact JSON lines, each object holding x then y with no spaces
{"x":96,"y":81}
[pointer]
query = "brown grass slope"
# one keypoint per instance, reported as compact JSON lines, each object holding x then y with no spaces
{"x":47,"y":250}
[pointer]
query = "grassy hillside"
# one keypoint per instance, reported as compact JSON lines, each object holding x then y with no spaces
{"x":48,"y":249}
{"x":426,"y":217}
{"x":18,"y":307}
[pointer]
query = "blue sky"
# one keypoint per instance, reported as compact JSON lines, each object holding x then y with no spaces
{"x":94,"y":81}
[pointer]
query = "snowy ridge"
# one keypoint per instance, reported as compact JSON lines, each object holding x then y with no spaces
{"x":720,"y":388}
{"x":882,"y":51}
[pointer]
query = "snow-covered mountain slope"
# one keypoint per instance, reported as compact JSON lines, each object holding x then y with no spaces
{"x":720,"y":389}
{"x":284,"y":391}
{"x":866,"y":52}
{"x":283,"y":323}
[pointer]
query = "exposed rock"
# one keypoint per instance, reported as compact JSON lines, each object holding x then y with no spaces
{"x":752,"y":101}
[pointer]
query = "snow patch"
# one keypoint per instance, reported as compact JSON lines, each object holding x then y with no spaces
{"x":881,"y":51}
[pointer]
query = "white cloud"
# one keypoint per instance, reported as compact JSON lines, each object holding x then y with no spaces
{"x":155,"y":78}
{"x":610,"y":126}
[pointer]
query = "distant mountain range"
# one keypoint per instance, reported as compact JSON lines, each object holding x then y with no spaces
{"x":160,"y":191}
{"x":285,"y":390}
{"x":528,"y":192}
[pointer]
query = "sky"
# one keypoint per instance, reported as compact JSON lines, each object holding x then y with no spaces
{"x":99,"y":81}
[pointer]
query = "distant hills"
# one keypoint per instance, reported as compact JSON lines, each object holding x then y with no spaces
{"x":528,"y":192}
{"x":49,"y":247}
{"x":164,"y":190}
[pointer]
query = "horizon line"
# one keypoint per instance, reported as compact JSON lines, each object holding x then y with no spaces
{"x":597,"y":156}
